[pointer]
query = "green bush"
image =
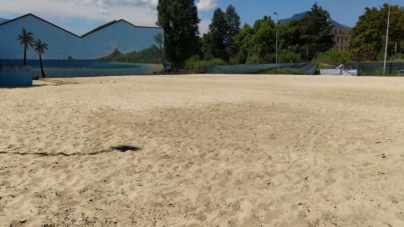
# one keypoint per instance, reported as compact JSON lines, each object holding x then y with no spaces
{"x":239,"y":58}
{"x":270,"y":58}
{"x":361,"y":73}
{"x":399,"y":57}
{"x":332,"y":55}
{"x":278,"y":71}
{"x":379,"y":72}
{"x":289,"y":57}
{"x":254,"y":59}
{"x":196,"y":64}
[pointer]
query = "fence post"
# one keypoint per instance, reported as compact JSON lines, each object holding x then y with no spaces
{"x":391,"y":68}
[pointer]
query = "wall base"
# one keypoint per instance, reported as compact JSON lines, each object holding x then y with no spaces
{"x":15,"y":75}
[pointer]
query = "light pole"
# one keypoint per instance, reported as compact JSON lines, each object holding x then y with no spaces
{"x":276,"y":44}
{"x":387,"y":39}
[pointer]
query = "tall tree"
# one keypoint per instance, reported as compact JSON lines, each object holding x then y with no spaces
{"x":26,"y":39}
{"x":158,"y":38}
{"x":207,"y":46}
{"x":179,"y":19}
{"x":257,"y":43}
{"x":218,"y":30}
{"x":219,"y":41}
{"x":242,"y":40}
{"x":369,"y":34}
{"x":315,"y":29}
{"x":233,"y":25}
{"x":40,"y":48}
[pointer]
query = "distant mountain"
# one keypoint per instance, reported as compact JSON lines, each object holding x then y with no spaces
{"x":114,"y":55}
{"x":2,"y":20}
{"x":301,"y":15}
{"x":150,"y":55}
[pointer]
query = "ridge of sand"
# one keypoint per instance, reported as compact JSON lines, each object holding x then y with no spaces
{"x":203,"y":150}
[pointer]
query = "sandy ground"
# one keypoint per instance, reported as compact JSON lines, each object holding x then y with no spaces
{"x":155,"y":69}
{"x":203,"y":150}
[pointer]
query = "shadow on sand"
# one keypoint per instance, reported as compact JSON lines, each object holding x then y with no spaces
{"x":120,"y":148}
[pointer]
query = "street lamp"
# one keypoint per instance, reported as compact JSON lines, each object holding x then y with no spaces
{"x":276,"y":45}
{"x":387,"y":38}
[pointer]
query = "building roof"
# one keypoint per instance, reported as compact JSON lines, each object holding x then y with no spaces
{"x":85,"y":34}
{"x":99,"y":28}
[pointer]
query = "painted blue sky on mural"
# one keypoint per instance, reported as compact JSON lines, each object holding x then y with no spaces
{"x":80,"y":16}
{"x":119,"y":35}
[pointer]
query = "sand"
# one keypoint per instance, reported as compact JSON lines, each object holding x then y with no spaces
{"x":155,"y":69}
{"x":203,"y":150}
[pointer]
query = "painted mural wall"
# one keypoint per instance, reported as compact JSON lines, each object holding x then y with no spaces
{"x":116,"y":48}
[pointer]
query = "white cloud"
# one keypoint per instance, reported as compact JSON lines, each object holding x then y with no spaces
{"x":104,"y":5}
{"x":65,"y":11}
{"x":137,"y":12}
{"x":101,"y":7}
{"x":206,"y":5}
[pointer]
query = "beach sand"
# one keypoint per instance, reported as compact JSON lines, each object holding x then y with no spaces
{"x":203,"y":150}
{"x":155,"y":69}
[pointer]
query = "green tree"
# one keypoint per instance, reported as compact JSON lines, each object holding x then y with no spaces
{"x":40,"y":48}
{"x":207,"y":46}
{"x":218,"y":30}
{"x":158,"y":38}
{"x":233,"y":26}
{"x":314,"y":31}
{"x":257,"y":43}
{"x":26,"y":39}
{"x":179,"y":19}
{"x":286,"y":56}
{"x":219,"y":41}
{"x":334,"y":55}
{"x":289,"y":37}
{"x":368,"y":37}
{"x":242,"y":40}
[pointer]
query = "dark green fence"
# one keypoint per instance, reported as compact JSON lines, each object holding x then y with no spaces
{"x":300,"y":68}
{"x":374,"y":68}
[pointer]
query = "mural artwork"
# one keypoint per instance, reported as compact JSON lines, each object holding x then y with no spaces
{"x":115,"y":48}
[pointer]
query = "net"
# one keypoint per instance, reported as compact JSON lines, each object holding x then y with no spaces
{"x":300,"y":68}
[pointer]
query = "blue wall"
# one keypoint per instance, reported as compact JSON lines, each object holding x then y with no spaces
{"x":15,"y":75}
{"x":120,"y":37}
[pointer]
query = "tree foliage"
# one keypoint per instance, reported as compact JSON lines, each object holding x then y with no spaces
{"x":233,"y":23}
{"x":207,"y":46}
{"x":314,"y":31}
{"x":40,"y":48}
{"x":219,"y":41}
{"x":258,"y":43}
{"x":179,"y":19}
{"x":158,"y":38}
{"x":368,"y":37}
{"x":334,"y":55}
{"x":218,"y":29}
{"x":26,"y":39}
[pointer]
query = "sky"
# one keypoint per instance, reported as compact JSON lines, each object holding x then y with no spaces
{"x":81,"y":16}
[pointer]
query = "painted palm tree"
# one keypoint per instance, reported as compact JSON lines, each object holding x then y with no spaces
{"x":40,"y":48}
{"x":159,"y":40}
{"x":27,"y":39}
